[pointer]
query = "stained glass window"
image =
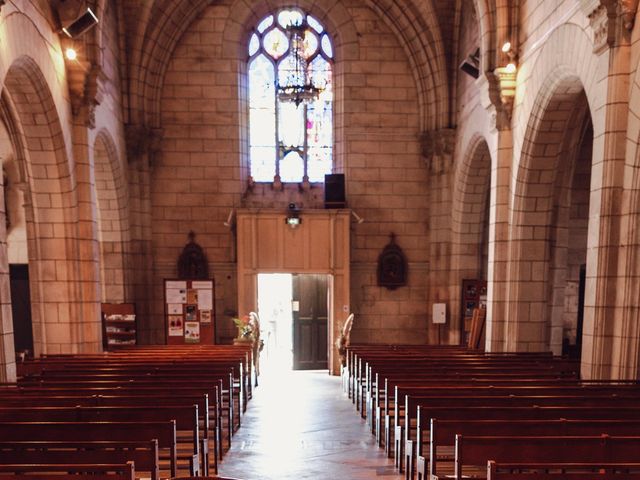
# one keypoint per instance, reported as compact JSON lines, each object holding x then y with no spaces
{"x":290,"y":98}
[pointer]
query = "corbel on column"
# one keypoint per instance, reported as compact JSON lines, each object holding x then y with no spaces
{"x":142,"y":140}
{"x":610,"y":20}
{"x":437,"y":149}
{"x":497,"y":94}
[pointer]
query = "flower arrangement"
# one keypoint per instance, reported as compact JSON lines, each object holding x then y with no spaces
{"x":245,"y":327}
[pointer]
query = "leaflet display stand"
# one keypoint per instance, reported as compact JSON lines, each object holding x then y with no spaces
{"x":474,"y":295}
{"x":118,"y":325}
{"x":190,"y":312}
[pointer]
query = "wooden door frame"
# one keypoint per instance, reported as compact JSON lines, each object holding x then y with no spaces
{"x":264,"y":242}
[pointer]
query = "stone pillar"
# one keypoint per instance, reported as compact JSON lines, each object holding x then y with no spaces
{"x":607,"y":333}
{"x":87,"y":291}
{"x":142,"y":148}
{"x":499,"y":212}
{"x":437,"y":151}
{"x":7,"y":351}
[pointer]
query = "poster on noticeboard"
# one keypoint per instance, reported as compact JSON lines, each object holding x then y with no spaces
{"x":190,"y":311}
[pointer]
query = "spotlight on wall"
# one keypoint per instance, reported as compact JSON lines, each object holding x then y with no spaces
{"x":358,"y":218}
{"x":471,"y":64}
{"x":506,"y":47}
{"x":293,"y":216}
{"x":228,"y":223}
{"x":71,"y":54}
{"x":81,"y":24}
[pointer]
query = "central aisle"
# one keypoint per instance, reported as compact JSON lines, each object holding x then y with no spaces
{"x":299,"y":425}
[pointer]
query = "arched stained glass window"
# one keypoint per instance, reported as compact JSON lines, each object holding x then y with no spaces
{"x":290,"y":98}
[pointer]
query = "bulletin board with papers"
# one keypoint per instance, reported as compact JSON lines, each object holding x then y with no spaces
{"x":189,"y":312}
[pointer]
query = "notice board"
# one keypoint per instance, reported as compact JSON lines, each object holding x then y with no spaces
{"x":190,"y":311}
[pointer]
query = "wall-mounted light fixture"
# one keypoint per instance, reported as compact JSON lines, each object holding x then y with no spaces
{"x":358,"y":218}
{"x":80,"y":25}
{"x":229,"y":221}
{"x":293,"y":216}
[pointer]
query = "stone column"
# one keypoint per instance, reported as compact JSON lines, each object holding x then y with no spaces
{"x":142,"y":147}
{"x":87,"y":291}
{"x":7,"y":351}
{"x":606,"y":333}
{"x":437,"y":151}
{"x":499,"y":109}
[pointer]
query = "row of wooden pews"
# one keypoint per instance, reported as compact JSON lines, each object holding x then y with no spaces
{"x":444,"y":411}
{"x":142,"y":412}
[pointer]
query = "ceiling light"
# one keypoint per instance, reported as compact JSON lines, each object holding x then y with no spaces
{"x":506,"y":47}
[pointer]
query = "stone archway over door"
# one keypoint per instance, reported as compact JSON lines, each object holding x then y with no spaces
{"x":320,"y":244}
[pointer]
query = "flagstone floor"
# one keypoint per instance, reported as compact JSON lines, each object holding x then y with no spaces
{"x":300,"y":425}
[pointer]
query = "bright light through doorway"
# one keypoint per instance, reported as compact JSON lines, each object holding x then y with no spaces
{"x":274,"y":308}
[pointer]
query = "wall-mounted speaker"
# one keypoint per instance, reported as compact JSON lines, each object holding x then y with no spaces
{"x":334,"y":194}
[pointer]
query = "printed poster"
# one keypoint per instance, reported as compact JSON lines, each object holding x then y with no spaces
{"x":205,"y":316}
{"x":175,"y":326}
{"x":176,"y":285}
{"x":202,"y":285}
{"x":205,"y":299}
{"x":176,"y":295}
{"x":175,"y":309}
{"x":191,"y":313}
{"x":192,"y":296}
{"x":191,"y":332}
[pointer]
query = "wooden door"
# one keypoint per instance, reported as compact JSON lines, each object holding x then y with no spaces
{"x":21,"y":307}
{"x":310,"y":322}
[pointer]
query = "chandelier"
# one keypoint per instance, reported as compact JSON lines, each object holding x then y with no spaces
{"x":297,"y":86}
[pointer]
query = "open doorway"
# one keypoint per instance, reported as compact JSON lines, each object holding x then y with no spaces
{"x":293,"y":311}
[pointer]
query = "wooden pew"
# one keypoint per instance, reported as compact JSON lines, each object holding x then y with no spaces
{"x":68,"y":472}
{"x":542,"y":414}
{"x":443,"y":432}
{"x":143,"y":454}
{"x":210,"y":436}
{"x":563,"y":471}
{"x":186,"y":419}
{"x":163,"y":432}
{"x":403,"y":429}
{"x":473,"y":453}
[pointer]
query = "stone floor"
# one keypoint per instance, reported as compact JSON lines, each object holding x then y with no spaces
{"x":300,"y":425}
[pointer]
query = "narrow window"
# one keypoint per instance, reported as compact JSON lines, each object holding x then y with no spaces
{"x":290,"y":99}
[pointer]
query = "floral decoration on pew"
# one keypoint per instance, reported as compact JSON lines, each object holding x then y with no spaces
{"x":246,"y":328}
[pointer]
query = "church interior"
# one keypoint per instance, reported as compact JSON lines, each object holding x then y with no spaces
{"x":426,"y":201}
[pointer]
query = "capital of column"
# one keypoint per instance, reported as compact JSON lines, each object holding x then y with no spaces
{"x":142,"y":140}
{"x":437,"y":149}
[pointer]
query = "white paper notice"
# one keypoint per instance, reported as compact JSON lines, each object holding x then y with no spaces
{"x":175,"y":309}
{"x":202,"y":285}
{"x":205,"y":300}
{"x":175,"y":284}
{"x":176,"y":296}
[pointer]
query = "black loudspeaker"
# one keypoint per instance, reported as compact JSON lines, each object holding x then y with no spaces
{"x":334,"y":196}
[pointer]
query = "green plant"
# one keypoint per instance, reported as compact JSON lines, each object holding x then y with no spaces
{"x":245,"y":329}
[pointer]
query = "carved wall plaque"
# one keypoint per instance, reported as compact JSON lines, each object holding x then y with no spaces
{"x":192,"y":263}
{"x":392,"y":266}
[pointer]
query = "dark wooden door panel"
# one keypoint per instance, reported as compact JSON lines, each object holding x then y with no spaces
{"x":21,"y":307}
{"x":310,"y":322}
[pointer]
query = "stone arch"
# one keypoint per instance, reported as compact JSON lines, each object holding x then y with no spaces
{"x":540,"y":189}
{"x":419,"y":33}
{"x":567,"y":51}
{"x":112,"y":218}
{"x":51,"y":209}
{"x":470,"y":225}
